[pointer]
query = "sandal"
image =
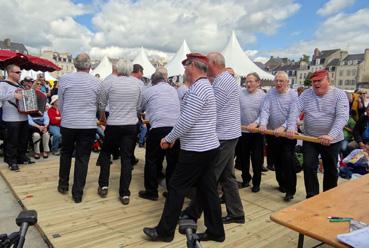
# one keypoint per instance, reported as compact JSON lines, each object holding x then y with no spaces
{"x":37,"y":156}
{"x":45,"y":155}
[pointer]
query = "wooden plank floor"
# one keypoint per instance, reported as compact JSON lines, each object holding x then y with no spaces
{"x":98,"y":222}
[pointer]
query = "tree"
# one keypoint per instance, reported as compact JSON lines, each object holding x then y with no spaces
{"x":305,"y":58}
{"x":307,"y":81}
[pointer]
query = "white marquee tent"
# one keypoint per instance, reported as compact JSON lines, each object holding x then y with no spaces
{"x":142,"y":59}
{"x":104,"y":69}
{"x":236,"y":58}
{"x":175,"y":66}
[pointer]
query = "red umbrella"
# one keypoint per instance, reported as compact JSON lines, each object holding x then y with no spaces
{"x":27,"y":62}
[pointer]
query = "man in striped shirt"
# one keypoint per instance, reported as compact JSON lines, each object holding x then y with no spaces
{"x":227,"y":96}
{"x":277,"y":114}
{"x":78,"y":95}
{"x":124,"y":97}
{"x":196,"y":128}
{"x":326,"y":112}
{"x":251,"y":144}
{"x":161,"y":106}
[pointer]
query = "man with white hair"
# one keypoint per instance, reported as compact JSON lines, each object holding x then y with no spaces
{"x":277,"y":114}
{"x":161,"y":106}
{"x":326,"y":110}
{"x":228,"y":128}
{"x":123,"y":94}
{"x":78,"y":95}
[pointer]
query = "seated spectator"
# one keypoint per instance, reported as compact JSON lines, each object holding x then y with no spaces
{"x":27,"y":83}
{"x":54,"y":128}
{"x":361,"y":132}
{"x":38,"y":128}
{"x":348,"y":135}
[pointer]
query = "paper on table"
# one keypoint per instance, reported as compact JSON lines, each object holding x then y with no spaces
{"x":357,"y":239}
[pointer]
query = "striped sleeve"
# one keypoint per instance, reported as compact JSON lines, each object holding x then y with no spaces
{"x":293,"y":113}
{"x":264,"y":115}
{"x":190,"y":113}
{"x":342,"y":116}
{"x":61,"y":97}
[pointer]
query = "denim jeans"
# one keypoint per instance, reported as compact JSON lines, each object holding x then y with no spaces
{"x":55,"y":132}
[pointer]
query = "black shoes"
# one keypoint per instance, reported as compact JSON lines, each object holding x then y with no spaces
{"x":231,"y":219}
{"x":243,"y":184}
{"x":25,"y":160}
{"x":264,"y":169}
{"x":102,"y":191}
{"x":62,"y":190}
{"x":124,"y":199}
{"x":77,"y":199}
{"x":282,"y":189}
{"x":13,"y":167}
{"x":255,"y":189}
{"x":148,"y":195}
{"x":270,"y":167}
{"x":206,"y":237}
{"x":152,"y":233}
{"x":288,"y":197}
{"x":165,"y":194}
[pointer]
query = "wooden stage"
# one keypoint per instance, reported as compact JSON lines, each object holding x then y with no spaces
{"x":98,"y":222}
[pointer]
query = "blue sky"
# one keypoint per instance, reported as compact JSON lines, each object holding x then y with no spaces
{"x":286,"y":28}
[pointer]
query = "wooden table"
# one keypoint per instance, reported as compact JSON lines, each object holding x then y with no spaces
{"x":310,"y":217}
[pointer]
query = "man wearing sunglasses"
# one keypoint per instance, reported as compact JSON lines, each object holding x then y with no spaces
{"x":15,"y":122}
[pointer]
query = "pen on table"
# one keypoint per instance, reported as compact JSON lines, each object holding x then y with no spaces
{"x":339,"y":219}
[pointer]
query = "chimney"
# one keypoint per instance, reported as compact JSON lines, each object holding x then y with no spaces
{"x":7,"y":43}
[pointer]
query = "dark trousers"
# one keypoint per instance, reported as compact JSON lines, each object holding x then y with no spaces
{"x":329,"y":155}
{"x":81,"y":140}
{"x":282,"y":151}
{"x":16,"y":140}
{"x":193,"y":169}
{"x":154,"y":157}
{"x":123,"y":137}
{"x":252,"y":145}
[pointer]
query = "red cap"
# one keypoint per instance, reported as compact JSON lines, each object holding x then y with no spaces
{"x":319,"y":75}
{"x":196,"y":57}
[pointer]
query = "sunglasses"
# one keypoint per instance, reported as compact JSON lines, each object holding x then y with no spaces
{"x":17,"y":72}
{"x":187,"y":63}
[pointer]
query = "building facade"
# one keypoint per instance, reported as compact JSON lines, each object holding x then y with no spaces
{"x":63,"y":60}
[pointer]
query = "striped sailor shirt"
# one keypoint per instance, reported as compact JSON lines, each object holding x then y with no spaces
{"x":279,"y":109}
{"x":78,"y":99}
{"x":124,"y":95}
{"x":161,"y":105}
{"x":10,"y":112}
{"x":227,"y":97}
{"x":196,"y":126}
{"x":324,"y":115}
{"x":251,"y":104}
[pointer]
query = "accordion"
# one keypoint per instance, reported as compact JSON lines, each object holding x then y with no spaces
{"x":33,"y":102}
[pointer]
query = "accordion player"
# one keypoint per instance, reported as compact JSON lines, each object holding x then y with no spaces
{"x":33,"y":102}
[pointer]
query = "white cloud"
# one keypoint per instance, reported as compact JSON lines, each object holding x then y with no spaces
{"x":334,"y":6}
{"x":205,"y":24}
{"x":44,"y":25}
{"x":349,"y":32}
{"x":157,"y":25}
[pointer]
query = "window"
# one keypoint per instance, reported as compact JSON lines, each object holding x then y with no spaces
{"x":300,"y":76}
{"x":341,"y":73}
{"x":340,"y":82}
{"x":348,"y":73}
{"x":353,"y":72}
{"x":347,"y":82}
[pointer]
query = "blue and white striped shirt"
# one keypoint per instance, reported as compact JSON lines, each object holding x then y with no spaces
{"x":196,"y":126}
{"x":78,"y":99}
{"x":227,"y":96}
{"x":161,"y":105}
{"x":10,"y":112}
{"x":324,"y":115}
{"x":124,"y":95}
{"x":279,"y":109}
{"x":181,"y":92}
{"x":251,"y":104}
